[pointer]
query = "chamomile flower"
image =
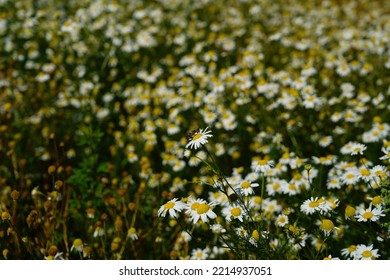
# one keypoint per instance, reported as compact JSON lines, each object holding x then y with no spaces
{"x":349,"y":212}
{"x":349,"y":252}
{"x":200,"y":254}
{"x":262,"y":165}
{"x":380,"y":171}
{"x":376,"y":200}
{"x":325,"y":141}
{"x":246,"y":187}
{"x":333,"y":182}
{"x":364,"y":252}
{"x":99,"y":231}
{"x":327,"y":226}
{"x":217,"y":228}
{"x":173,"y":207}
{"x":357,"y":148}
{"x":198,"y":138}
{"x":197,"y":159}
{"x":77,"y":245}
{"x":365,"y":174}
{"x":291,"y":188}
{"x":57,"y":256}
{"x":347,"y":148}
{"x":312,"y":205}
{"x":369,"y":214}
{"x":242,"y":232}
{"x":276,"y":186}
{"x":282,"y":220}
{"x":132,"y":233}
{"x":234,"y":212}
{"x":350,"y":176}
{"x":353,"y":148}
{"x":271,"y":206}
{"x":200,"y":209}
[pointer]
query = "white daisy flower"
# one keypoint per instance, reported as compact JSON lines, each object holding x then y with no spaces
{"x":246,"y":187}
{"x":327,"y":226}
{"x":172,"y":207}
{"x":281,"y":220}
{"x":234,"y":212}
{"x":200,"y":209}
{"x":262,"y":165}
{"x":349,"y":252}
{"x":310,"y":206}
{"x":364,"y":252}
{"x":380,"y":171}
{"x":198,"y":138}
{"x":357,"y":148}
{"x":132,"y":233}
{"x":200,"y":254}
{"x":217,"y":228}
{"x":350,"y":177}
{"x":369,"y":214}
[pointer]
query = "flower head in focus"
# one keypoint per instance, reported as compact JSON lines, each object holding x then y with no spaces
{"x":364,"y":252}
{"x":172,"y":207}
{"x":198,"y":138}
{"x":200,"y":209}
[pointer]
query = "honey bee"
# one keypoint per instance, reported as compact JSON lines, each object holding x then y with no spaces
{"x":191,"y":135}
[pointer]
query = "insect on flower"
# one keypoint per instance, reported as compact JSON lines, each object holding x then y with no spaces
{"x":191,"y":134}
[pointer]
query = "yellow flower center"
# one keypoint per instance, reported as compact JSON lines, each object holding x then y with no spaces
{"x":292,"y":187}
{"x":350,"y":176}
{"x":313,"y":204}
{"x":77,"y":243}
{"x":169,"y":205}
{"x":202,"y":208}
{"x":255,"y":234}
{"x":262,"y":162}
{"x":349,"y":211}
{"x":377,"y":200}
{"x":258,"y":199}
{"x":297,"y":177}
{"x":367,"y":254}
{"x":5,"y":216}
{"x":293,"y":229}
{"x":197,"y":136}
{"x":368,"y":215}
{"x":276,"y":186}
{"x":352,"y":248}
{"x":245,"y":185}
{"x":380,"y":173}
{"x":365,"y":172}
{"x":327,"y":225}
{"x":236,"y":211}
{"x":195,"y":206}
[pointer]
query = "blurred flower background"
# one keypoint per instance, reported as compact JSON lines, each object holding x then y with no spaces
{"x":171,"y":129}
